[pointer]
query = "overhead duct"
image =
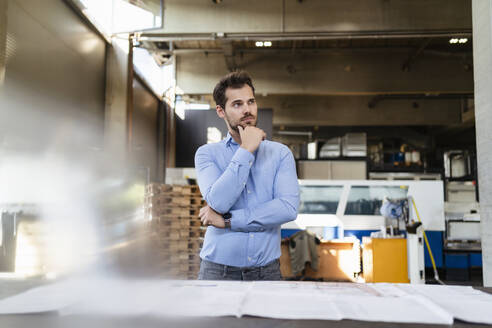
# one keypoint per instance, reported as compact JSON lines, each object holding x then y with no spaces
{"x":299,"y":36}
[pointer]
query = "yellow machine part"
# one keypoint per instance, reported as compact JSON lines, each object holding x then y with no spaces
{"x":385,"y":260}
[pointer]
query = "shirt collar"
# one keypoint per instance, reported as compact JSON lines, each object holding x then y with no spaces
{"x":229,"y":140}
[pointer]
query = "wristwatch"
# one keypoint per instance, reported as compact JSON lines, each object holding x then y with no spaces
{"x":227,"y":219}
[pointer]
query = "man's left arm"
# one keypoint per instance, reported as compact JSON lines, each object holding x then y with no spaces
{"x":281,"y":209}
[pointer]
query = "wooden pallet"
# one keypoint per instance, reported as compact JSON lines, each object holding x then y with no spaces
{"x":190,"y":190}
{"x":174,"y":200}
{"x":163,"y":221}
{"x":180,"y":233}
{"x":173,"y":218}
{"x":178,"y":244}
{"x":175,"y":228}
{"x":171,"y":245}
{"x":155,"y":189}
{"x":171,"y":211}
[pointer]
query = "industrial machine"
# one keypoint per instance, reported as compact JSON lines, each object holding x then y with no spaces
{"x":340,"y":209}
{"x":353,"y":206}
{"x":462,"y":241}
{"x":397,"y":214}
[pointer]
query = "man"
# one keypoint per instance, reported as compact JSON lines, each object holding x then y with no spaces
{"x":250,"y":185}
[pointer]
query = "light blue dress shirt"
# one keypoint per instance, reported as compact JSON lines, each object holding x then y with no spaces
{"x":261,"y":192}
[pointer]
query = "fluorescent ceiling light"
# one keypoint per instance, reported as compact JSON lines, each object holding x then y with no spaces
{"x":267,"y":43}
{"x":463,"y":40}
{"x":259,"y":43}
{"x":453,"y":40}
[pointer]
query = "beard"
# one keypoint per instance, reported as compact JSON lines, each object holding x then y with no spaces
{"x":235,"y":123}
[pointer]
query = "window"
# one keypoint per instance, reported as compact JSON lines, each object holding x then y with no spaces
{"x":159,"y":78}
{"x":213,"y":134}
{"x":319,"y":199}
{"x":117,"y":16}
{"x":367,"y":200}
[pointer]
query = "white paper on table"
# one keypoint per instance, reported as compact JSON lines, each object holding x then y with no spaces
{"x":162,"y":298}
{"x":40,"y":299}
{"x":390,"y":309}
{"x":464,"y":302}
{"x":283,"y":300}
{"x":336,"y":301}
{"x":277,"y":305}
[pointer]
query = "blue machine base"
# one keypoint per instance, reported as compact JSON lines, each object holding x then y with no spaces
{"x":476,"y":260}
{"x":436,"y":241}
{"x":462,"y":260}
{"x":284,"y":233}
{"x":329,"y":233}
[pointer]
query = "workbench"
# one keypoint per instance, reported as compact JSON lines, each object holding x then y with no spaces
{"x":53,"y":319}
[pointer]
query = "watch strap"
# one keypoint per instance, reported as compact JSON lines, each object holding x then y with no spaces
{"x":227,"y":219}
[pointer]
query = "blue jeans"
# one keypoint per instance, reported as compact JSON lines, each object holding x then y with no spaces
{"x":214,"y":271}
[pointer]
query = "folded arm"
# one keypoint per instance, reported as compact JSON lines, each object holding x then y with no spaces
{"x":220,"y":189}
{"x":282,"y":208}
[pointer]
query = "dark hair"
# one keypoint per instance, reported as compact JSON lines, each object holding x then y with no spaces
{"x":235,"y":80}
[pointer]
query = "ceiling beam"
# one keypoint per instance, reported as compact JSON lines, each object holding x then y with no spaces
{"x":228,"y":50}
{"x":164,"y":37}
{"x":297,"y":51}
{"x":406,"y":65}
{"x":428,"y":96}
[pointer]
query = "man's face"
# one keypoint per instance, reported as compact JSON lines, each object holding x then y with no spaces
{"x":240,"y":108}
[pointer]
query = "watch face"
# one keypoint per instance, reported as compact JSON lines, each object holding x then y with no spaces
{"x":227,"y":216}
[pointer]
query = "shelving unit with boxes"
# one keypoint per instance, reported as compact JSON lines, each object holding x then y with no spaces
{"x":176,"y":231}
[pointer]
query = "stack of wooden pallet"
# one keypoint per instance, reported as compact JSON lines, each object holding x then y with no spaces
{"x":177,"y":234}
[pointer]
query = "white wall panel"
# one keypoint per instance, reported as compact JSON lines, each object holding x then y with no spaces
{"x":54,"y":80}
{"x":482,"y":57}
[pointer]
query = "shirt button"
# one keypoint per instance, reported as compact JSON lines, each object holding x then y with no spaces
{"x":249,"y":258}
{"x":244,"y":184}
{"x":251,"y":236}
{"x":249,"y":191}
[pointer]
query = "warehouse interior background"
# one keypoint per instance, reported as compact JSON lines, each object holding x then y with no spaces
{"x":100,"y":100}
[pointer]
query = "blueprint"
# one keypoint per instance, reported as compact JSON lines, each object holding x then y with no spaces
{"x":402,"y":303}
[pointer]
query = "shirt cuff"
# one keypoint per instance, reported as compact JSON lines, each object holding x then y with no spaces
{"x":243,"y":157}
{"x":238,"y":219}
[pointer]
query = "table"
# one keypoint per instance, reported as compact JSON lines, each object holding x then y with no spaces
{"x":53,"y":320}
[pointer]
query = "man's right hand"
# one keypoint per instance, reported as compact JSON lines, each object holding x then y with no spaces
{"x":251,"y":137}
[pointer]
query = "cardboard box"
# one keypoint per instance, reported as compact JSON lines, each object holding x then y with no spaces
{"x":338,"y":261}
